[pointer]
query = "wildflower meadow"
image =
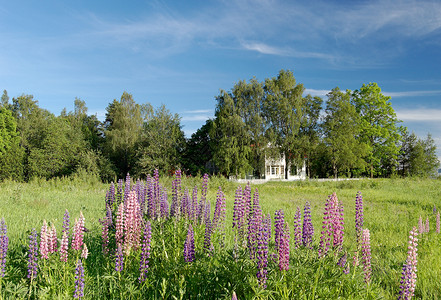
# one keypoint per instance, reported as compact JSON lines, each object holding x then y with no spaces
{"x":207,"y":238}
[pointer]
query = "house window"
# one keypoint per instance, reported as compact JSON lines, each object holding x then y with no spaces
{"x":282,"y":170}
{"x":268,"y":170}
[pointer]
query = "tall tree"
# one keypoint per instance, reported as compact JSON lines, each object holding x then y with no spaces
{"x":341,"y":127}
{"x":162,"y":143}
{"x":122,"y":131}
{"x":231,"y":155}
{"x":379,"y":129}
{"x":5,"y":99}
{"x":283,"y":110}
{"x":198,"y":155}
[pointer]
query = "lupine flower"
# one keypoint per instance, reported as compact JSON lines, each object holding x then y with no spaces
{"x":79,"y":280}
{"x":110,"y":195}
{"x":342,"y":263}
{"x":164,"y":205}
{"x":176,"y":194}
{"x":185,"y":204}
{"x":247,"y":205}
{"x":77,"y":240}
{"x":145,"y":252}
{"x":254,"y":227}
{"x":279,"y":220}
{"x":366,"y":255}
{"x":119,"y":234}
{"x":262,"y":251}
{"x":151,"y":200}
{"x":203,"y":199}
{"x":53,"y":242}
{"x":420,"y":225}
{"x":33,"y":255}
{"x":308,"y":228}
{"x":297,"y":228}
{"x":219,"y":215}
{"x":427,"y":229}
{"x":208,"y":245}
{"x":64,"y":246}
{"x":284,"y":248}
{"x":437,"y":223}
{"x":85,"y":252}
{"x":189,"y":245}
{"x":234,"y":297}
{"x":238,"y":215}
{"x":358,"y":217}
{"x":326,"y":233}
{"x":132,"y":223}
{"x":127,"y":188}
{"x":44,"y":241}
{"x":119,"y":259}
{"x":194,"y":204}
{"x":105,"y":234}
{"x":356,"y":262}
{"x":4,"y":243}
{"x":434,"y":209}
{"x":408,"y":278}
{"x":66,"y":223}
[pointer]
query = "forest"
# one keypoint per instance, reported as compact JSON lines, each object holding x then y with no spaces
{"x":348,"y":134}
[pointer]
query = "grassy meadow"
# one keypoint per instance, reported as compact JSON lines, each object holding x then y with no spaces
{"x":391,"y":208}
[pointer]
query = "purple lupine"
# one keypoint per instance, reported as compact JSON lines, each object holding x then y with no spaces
{"x":204,"y":190}
{"x":4,"y":243}
{"x":427,"y":228}
{"x":119,"y":234}
{"x":44,"y":241}
{"x":105,"y":234}
{"x":145,"y":252}
{"x":64,"y":247}
{"x":253,"y":230}
{"x":119,"y":259}
{"x":33,"y":255}
{"x":279,"y":220}
{"x":208,"y":245}
{"x":119,"y":192}
{"x":434,"y":209}
{"x":189,"y":247}
{"x":437,"y":223}
{"x":219,"y":215}
{"x":156,"y":190}
{"x":247,"y":205}
{"x":66,"y":223}
{"x":176,"y":194}
{"x":409,"y":276}
{"x":284,"y":248}
{"x":326,"y":233}
{"x":238,"y":216}
{"x":194,"y":204}
{"x":207,"y":213}
{"x":366,"y":255}
{"x":79,"y":280}
{"x":77,"y":239}
{"x":359,"y":218}
{"x":297,"y":228}
{"x":185,"y":204}
{"x":110,"y":195}
{"x":308,"y":228}
{"x":164,"y":205}
{"x":342,"y":263}
{"x":420,"y":225}
{"x":132,"y":223}
{"x":262,"y":250}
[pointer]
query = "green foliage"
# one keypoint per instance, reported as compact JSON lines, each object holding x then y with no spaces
{"x":379,"y":129}
{"x":341,"y":127}
{"x":161,"y":143}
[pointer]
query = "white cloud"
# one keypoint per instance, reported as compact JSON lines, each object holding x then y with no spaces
{"x":313,"y":92}
{"x":420,"y":115}
{"x":198,"y":111}
{"x":195,"y":118}
{"x":412,"y":93}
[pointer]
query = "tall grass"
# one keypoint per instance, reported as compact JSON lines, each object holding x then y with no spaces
{"x":391,"y":208}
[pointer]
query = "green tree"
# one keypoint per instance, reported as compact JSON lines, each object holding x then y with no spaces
{"x":233,"y":142}
{"x":341,"y":128}
{"x":162,"y":143}
{"x":283,"y":110}
{"x":5,"y":99}
{"x":11,"y":154}
{"x":122,"y":131}
{"x":198,"y":155}
{"x":379,"y":129}
{"x":418,"y":156}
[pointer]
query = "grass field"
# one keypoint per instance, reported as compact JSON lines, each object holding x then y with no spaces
{"x":391,"y":208}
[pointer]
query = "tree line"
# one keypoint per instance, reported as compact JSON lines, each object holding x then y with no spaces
{"x":350,"y":134}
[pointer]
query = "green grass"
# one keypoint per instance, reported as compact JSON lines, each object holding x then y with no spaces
{"x":391,"y":208}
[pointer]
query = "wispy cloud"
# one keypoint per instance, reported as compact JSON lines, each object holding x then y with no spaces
{"x":419,"y":115}
{"x":196,"y":115}
{"x":313,"y":92}
{"x":198,"y":111}
{"x":412,"y":93}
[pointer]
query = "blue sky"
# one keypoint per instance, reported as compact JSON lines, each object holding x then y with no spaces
{"x":180,"y":53}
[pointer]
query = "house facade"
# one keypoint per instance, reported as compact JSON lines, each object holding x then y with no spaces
{"x":275,"y":169}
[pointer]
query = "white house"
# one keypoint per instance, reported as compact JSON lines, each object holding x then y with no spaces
{"x":275,"y":169}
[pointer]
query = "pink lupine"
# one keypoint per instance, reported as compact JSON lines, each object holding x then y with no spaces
{"x":64,"y":247}
{"x":53,"y":243}
{"x":297,"y":228}
{"x":420,"y":225}
{"x":132,"y":223}
{"x":119,"y":234}
{"x":437,"y":222}
{"x":44,"y":241}
{"x":427,"y":229}
{"x":284,"y":249}
{"x":359,"y":218}
{"x":77,"y":240}
{"x":85,"y":252}
{"x":366,"y":255}
{"x":408,"y":279}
